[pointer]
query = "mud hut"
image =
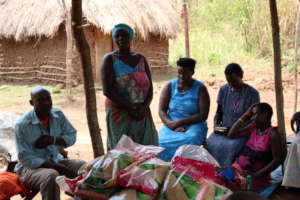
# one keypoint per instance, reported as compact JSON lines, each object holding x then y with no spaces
{"x":33,"y":38}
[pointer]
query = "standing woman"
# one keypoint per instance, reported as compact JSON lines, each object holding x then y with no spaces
{"x":183,"y":108}
{"x":128,"y":87}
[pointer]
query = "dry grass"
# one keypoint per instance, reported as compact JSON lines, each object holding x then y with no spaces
{"x":223,"y":31}
{"x":257,"y":29}
{"x":35,"y":18}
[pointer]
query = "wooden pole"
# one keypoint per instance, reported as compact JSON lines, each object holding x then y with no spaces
{"x":69,"y":50}
{"x":186,"y":28}
{"x":98,"y":81}
{"x":297,"y":35}
{"x":277,"y":67}
{"x":90,"y":93}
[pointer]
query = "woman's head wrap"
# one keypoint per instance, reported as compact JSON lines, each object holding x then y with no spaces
{"x":124,"y":27}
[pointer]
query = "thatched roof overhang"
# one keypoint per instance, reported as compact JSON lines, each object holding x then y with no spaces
{"x":22,"y":19}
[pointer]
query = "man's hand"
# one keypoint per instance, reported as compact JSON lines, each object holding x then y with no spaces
{"x":43,"y":141}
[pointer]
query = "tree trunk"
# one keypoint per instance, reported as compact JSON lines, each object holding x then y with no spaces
{"x":69,"y":50}
{"x":90,"y":93}
{"x":277,"y":67}
{"x":297,"y":35}
{"x":186,"y":28}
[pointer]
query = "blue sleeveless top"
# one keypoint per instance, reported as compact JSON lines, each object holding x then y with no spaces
{"x":184,"y":104}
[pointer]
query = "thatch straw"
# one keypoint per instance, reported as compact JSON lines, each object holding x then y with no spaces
{"x":21,"y":19}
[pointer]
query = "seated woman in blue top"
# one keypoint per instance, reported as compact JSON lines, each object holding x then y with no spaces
{"x":233,"y":100}
{"x":183,"y":108}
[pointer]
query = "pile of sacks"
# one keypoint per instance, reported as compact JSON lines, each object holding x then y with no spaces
{"x":7,"y":139}
{"x":133,"y":172}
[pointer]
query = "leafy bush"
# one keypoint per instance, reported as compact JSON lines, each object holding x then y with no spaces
{"x":223,"y":31}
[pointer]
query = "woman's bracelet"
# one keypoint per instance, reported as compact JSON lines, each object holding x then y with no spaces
{"x":54,"y":140}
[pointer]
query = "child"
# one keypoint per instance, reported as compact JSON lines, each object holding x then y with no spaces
{"x":264,"y":151}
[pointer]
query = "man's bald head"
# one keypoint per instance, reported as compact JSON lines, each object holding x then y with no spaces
{"x":41,"y":101}
{"x":37,"y":90}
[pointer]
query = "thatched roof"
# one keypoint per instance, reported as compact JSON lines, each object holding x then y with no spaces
{"x":21,"y":19}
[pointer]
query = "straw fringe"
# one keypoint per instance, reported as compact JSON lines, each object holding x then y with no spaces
{"x":21,"y":19}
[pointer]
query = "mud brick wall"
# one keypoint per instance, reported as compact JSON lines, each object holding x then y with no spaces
{"x":43,"y":60}
{"x":156,"y":50}
{"x":39,"y":60}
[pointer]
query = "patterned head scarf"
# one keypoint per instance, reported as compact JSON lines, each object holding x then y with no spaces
{"x":124,"y":27}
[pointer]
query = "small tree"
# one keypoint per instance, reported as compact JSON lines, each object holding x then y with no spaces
{"x":90,"y":93}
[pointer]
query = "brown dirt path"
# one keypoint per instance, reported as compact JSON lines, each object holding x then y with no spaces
{"x":75,"y":111}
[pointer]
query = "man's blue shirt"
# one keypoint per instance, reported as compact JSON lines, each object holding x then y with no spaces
{"x":29,"y":129}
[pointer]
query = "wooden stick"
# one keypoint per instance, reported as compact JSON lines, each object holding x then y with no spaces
{"x":88,"y":79}
{"x":69,"y":50}
{"x":50,"y":74}
{"x":14,"y":68}
{"x":51,"y":79}
{"x":297,"y":34}
{"x":19,"y":78}
{"x":17,"y":72}
{"x":52,"y":67}
{"x":35,"y":71}
{"x":186,"y":28}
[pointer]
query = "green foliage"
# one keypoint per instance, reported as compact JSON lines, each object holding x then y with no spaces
{"x":55,"y":91}
{"x":224,"y":31}
{"x":17,"y":94}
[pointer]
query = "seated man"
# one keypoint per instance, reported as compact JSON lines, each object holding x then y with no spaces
{"x":41,"y":134}
{"x":234,"y":99}
{"x":265,"y":149}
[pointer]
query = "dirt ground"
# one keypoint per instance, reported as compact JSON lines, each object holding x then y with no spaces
{"x":263,"y":81}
